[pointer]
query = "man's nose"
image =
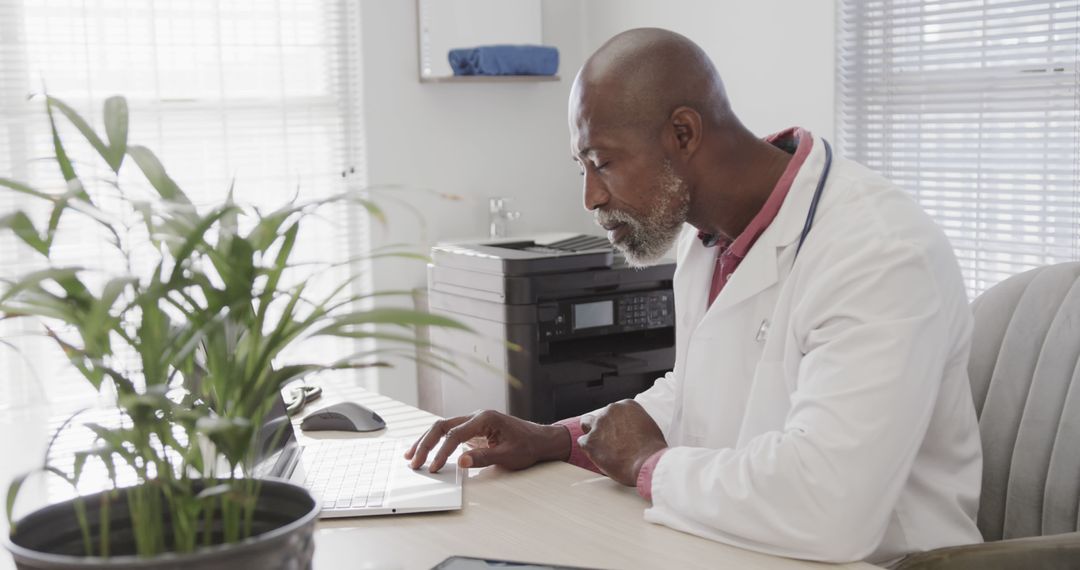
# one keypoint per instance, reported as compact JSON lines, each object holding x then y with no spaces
{"x":595,"y":194}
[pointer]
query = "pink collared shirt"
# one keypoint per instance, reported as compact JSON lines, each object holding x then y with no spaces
{"x":729,"y":255}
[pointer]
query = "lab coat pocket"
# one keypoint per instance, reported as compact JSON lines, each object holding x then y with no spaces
{"x":769,"y":402}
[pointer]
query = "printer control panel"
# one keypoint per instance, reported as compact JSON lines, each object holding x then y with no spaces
{"x":606,"y":314}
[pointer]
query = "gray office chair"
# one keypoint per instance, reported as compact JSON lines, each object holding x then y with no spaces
{"x":1025,"y":378}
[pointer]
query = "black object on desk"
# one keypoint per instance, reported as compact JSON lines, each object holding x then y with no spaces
{"x":469,"y":563}
{"x":346,"y":416}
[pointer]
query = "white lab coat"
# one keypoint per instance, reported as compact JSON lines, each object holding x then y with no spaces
{"x":822,"y":410}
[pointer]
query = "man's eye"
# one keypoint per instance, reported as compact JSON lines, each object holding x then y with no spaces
{"x":602,"y":166}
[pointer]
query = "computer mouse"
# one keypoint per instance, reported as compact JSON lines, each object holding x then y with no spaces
{"x":346,"y":416}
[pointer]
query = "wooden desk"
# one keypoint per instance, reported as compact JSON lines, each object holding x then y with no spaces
{"x":554,"y":513}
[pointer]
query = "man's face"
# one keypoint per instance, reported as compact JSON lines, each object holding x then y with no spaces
{"x":629,"y":185}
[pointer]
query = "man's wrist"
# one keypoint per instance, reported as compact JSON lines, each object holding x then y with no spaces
{"x":641,"y":459}
{"x":554,"y":443}
{"x":645,"y":473}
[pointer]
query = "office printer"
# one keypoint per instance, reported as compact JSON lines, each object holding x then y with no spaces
{"x":591,"y":329}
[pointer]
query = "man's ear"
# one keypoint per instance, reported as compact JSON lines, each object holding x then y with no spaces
{"x":686,"y":125}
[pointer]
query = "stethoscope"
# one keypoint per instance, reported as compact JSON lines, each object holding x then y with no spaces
{"x":763,"y":329}
{"x":711,"y":240}
{"x":817,"y":196}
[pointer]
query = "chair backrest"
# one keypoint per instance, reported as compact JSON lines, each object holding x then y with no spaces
{"x":1025,"y":378}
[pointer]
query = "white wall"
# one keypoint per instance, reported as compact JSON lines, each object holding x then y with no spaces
{"x":775,"y":56}
{"x":473,"y":140}
{"x":479,"y":140}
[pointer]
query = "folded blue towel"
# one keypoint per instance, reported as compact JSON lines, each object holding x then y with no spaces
{"x":505,"y":60}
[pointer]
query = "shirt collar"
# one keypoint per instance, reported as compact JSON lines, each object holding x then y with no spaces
{"x":794,"y":139}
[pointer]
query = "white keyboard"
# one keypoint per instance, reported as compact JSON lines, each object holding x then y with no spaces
{"x":349,"y":474}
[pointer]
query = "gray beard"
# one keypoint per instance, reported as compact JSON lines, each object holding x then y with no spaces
{"x":648,"y":239}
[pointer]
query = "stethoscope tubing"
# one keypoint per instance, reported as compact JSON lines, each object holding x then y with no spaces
{"x":817,"y":196}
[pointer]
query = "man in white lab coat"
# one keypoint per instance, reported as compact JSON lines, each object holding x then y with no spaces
{"x":819,"y":407}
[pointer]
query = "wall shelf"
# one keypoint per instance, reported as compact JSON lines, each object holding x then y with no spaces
{"x":490,"y":79}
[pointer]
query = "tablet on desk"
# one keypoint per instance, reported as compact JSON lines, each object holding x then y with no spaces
{"x":468,"y":563}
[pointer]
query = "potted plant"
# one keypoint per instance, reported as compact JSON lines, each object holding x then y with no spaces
{"x":207,"y":300}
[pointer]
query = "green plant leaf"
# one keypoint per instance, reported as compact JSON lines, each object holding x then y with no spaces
{"x":374,"y":335}
{"x":17,"y":483}
{"x":266,"y":232}
{"x":236,"y":267}
{"x":80,"y":463}
{"x":153,"y":333}
{"x":24,"y":189}
{"x":274,"y":274}
{"x":87,"y":131}
{"x":104,"y":219}
{"x":229,"y":223}
{"x":115,"y":438}
{"x":152,"y":168}
{"x":102,"y":451}
{"x":193,"y":239}
{"x":396,"y":254}
{"x":142,"y":406}
{"x":230,"y":435}
{"x":291,"y":372}
{"x":34,"y":279}
{"x":54,"y":222}
{"x":99,"y":311}
{"x":392,"y":316}
{"x":372,"y":209}
{"x":40,"y":303}
{"x":116,"y":127}
{"x":78,"y":295}
{"x":78,"y":358}
{"x":61,"y":156}
{"x":19,"y":223}
{"x":12,"y":494}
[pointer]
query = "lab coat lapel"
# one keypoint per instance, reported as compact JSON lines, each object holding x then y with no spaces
{"x":759,"y":270}
{"x":692,"y":281}
{"x":756,"y":273}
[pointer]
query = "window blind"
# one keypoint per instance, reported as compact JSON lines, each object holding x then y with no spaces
{"x":974,"y":107}
{"x":264,"y":95}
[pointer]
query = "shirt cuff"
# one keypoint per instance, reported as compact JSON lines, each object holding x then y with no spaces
{"x":644,"y":477}
{"x":577,"y":457}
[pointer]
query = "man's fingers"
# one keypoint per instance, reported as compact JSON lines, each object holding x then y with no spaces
{"x":419,"y":451}
{"x":412,"y":448}
{"x":481,"y":457}
{"x":455,"y":437}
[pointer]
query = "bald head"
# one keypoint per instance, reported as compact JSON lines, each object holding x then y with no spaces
{"x":658,"y":146}
{"x":639,"y":77}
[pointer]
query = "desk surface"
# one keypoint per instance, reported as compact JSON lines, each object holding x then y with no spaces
{"x":554,"y":513}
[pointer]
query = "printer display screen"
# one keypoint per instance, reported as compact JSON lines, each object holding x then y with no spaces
{"x":598,"y":314}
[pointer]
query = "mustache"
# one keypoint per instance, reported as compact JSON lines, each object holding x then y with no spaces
{"x":610,"y":217}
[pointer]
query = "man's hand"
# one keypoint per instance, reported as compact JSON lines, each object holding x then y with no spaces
{"x":619,"y":439}
{"x":511,"y":442}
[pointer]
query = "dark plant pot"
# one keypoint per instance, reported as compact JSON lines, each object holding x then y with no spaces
{"x":282,"y":537}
